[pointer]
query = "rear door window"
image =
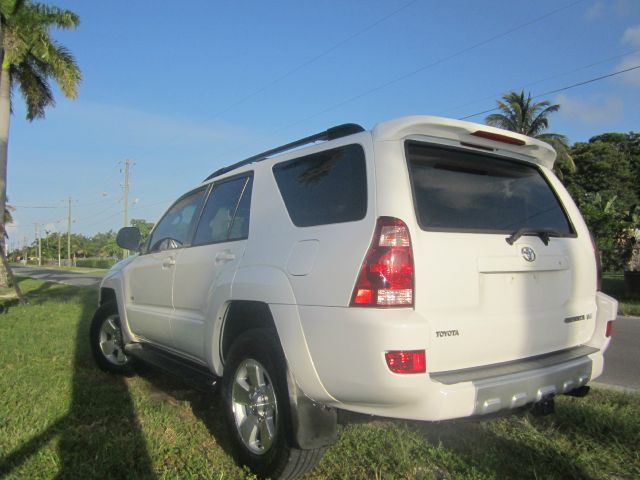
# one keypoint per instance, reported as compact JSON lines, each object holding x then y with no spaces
{"x":225,"y":216}
{"x":326,"y":187}
{"x":456,"y":190}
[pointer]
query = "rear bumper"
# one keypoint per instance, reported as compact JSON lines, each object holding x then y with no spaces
{"x":347,"y":349}
{"x":441,"y":401}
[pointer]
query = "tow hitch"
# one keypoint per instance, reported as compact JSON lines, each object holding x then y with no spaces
{"x":546,"y":406}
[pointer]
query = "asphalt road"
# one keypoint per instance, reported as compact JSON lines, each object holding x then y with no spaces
{"x":68,"y":277}
{"x":622,"y":359}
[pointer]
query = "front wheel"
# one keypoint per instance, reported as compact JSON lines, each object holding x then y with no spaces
{"x":258,"y":410}
{"x":105,"y":336}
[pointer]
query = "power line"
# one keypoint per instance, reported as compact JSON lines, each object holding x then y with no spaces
{"x":35,"y":206}
{"x":308,"y":62}
{"x":550,"y":92}
{"x":420,"y":69}
{"x":552,"y":77}
{"x":434,"y":63}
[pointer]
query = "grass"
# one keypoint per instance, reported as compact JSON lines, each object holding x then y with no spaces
{"x":61,"y":417}
{"x":613,"y":284}
{"x":64,"y":267}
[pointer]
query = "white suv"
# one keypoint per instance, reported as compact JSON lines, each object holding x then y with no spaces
{"x":428,"y":269}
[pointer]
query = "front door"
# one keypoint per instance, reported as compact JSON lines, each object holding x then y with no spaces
{"x":150,"y":290}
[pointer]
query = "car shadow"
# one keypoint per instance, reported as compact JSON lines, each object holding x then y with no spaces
{"x":99,"y":436}
{"x":207,"y":405}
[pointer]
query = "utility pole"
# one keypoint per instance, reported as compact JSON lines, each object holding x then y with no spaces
{"x":125,"y":186}
{"x":69,"y":234}
{"x":59,"y":259}
{"x":126,"y":192}
{"x":38,"y":244}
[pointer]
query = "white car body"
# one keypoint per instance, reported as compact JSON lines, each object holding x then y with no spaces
{"x":498,"y":331}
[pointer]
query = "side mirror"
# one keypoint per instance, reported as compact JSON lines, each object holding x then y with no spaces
{"x":128,"y":238}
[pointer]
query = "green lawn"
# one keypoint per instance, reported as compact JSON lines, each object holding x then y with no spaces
{"x":613,"y":284}
{"x":60,"y":417}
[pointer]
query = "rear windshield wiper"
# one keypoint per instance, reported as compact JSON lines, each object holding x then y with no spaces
{"x":543,"y":233}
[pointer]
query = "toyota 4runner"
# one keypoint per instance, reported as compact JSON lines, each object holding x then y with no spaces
{"x":428,"y":269}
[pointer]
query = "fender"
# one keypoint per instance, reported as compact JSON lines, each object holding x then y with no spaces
{"x":114,"y":280}
{"x":272,"y":287}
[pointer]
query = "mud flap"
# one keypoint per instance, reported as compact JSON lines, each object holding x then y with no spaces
{"x":313,"y":425}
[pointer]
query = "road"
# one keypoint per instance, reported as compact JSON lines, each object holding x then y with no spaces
{"x":622,"y":359}
{"x":68,"y":277}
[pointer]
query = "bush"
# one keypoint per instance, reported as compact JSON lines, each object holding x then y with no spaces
{"x":95,"y":262}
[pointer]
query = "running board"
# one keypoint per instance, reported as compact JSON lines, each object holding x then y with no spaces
{"x":192,"y":373}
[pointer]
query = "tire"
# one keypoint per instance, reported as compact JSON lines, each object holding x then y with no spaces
{"x":105,"y":336}
{"x":258,"y":410}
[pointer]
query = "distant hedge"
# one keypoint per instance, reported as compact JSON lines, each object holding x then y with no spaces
{"x":95,"y":262}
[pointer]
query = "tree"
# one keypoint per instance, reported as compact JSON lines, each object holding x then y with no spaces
{"x":144,"y":227}
{"x":602,"y":168}
{"x":6,"y":275}
{"x":30,"y":59}
{"x":605,"y":189}
{"x":523,"y":115}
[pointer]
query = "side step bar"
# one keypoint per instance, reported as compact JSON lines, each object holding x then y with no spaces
{"x":192,"y":373}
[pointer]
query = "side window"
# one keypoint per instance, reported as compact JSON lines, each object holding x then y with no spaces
{"x":173,"y":229}
{"x":326,"y":187}
{"x":226,"y":214}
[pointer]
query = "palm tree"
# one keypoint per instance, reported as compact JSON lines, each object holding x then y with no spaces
{"x":523,"y":115}
{"x":30,"y":58}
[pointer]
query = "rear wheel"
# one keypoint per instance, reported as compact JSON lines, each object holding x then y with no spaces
{"x":258,"y":409}
{"x":106,"y":340}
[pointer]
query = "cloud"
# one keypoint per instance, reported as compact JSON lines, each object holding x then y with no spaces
{"x":598,"y":109}
{"x":619,"y":8}
{"x":633,"y":77}
{"x":631,"y":37}
{"x":595,"y":11}
{"x":118,"y":125}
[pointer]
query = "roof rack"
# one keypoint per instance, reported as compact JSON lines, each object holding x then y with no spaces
{"x":329,"y":134}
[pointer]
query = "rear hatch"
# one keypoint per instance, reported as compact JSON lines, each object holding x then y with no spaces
{"x":496,"y":259}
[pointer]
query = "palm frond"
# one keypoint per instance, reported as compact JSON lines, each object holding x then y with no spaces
{"x":50,"y":15}
{"x":31,"y":77}
{"x":519,"y":113}
{"x":64,"y":69}
{"x":560,"y":144}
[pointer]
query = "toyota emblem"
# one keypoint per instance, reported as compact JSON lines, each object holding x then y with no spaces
{"x":528,"y":254}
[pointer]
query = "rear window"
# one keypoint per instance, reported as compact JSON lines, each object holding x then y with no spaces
{"x":326,"y":187}
{"x":456,"y":190}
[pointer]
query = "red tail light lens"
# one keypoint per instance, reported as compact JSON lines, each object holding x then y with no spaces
{"x":386,"y":276}
{"x":596,"y":252}
{"x":406,"y":361}
{"x":609,"y":329}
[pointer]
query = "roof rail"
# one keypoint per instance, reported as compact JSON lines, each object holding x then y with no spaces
{"x":329,"y":134}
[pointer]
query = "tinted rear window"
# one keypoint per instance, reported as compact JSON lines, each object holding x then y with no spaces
{"x":463,"y":191}
{"x":326,"y":187}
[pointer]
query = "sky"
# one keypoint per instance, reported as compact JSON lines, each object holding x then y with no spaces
{"x":181,"y":89}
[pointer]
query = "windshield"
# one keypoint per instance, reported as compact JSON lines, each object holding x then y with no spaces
{"x":457,"y":190}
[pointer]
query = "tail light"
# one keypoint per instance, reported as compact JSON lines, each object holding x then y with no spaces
{"x":609,"y":329}
{"x":496,"y":137}
{"x":596,"y":252}
{"x":386,"y":276}
{"x":406,"y":361}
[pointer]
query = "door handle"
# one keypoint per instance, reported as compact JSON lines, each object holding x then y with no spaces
{"x":168,"y":262}
{"x":225,"y":256}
